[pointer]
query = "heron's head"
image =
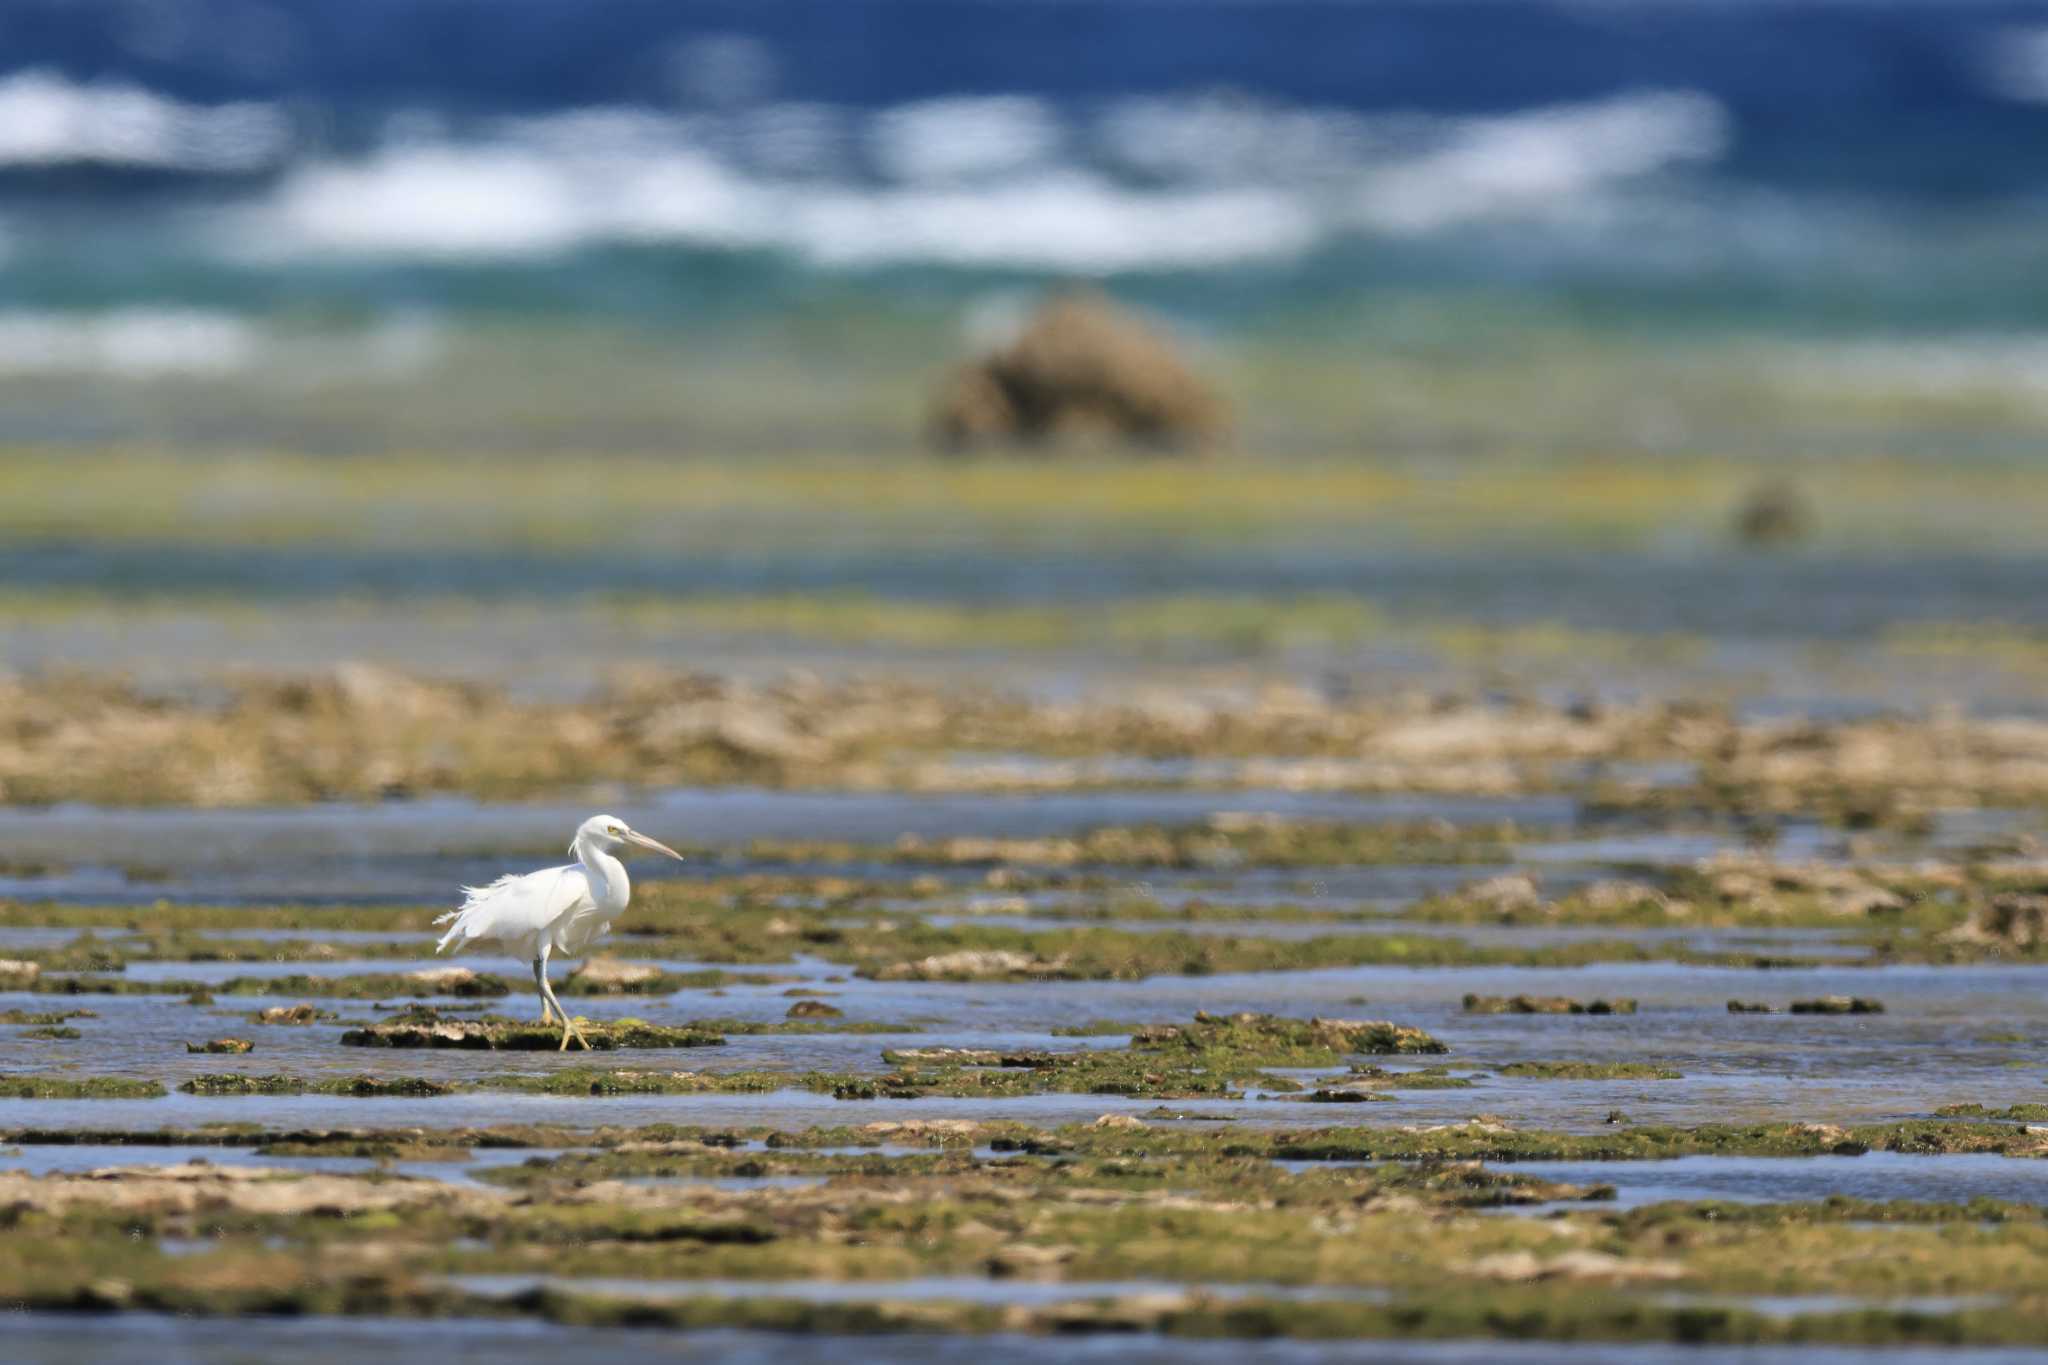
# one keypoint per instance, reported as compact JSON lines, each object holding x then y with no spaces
{"x":609,"y":832}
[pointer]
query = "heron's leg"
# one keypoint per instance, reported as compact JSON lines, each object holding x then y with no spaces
{"x":540,"y":986}
{"x":568,"y":1025}
{"x":547,"y":989}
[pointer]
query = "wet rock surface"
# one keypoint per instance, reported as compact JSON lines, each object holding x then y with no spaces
{"x":491,"y":1033}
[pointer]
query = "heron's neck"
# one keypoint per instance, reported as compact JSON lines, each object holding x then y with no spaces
{"x":608,"y":884}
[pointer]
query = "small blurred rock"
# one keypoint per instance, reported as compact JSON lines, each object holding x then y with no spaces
{"x":610,"y":974}
{"x":1838,"y":1004}
{"x":1774,"y":513}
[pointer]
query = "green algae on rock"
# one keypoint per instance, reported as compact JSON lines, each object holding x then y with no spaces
{"x":1213,"y":1055}
{"x":20,"y":1087}
{"x":1425,"y":1078}
{"x":222,"y":1045}
{"x":488,"y":1032}
{"x":1280,"y":1041}
{"x":1544,"y":1004}
{"x":2028,"y":1112}
{"x":369,"y":1087}
{"x":1837,"y":1004}
{"x":289,"y":1014}
{"x":44,"y":1017}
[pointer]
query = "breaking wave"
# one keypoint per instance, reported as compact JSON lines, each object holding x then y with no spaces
{"x":1008,"y":182}
{"x":48,"y":120}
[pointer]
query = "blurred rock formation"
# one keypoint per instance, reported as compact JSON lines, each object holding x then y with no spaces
{"x":1082,"y":368}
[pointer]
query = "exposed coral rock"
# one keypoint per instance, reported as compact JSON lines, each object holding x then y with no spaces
{"x":201,"y":1187}
{"x":610,"y":974}
{"x":921,"y":1128}
{"x":2012,"y":919}
{"x":1545,"y":1004}
{"x":1524,"y":1266}
{"x":1838,"y":1004}
{"x":1504,"y":895}
{"x":971,"y":965}
{"x":1025,"y":1261}
{"x":1761,"y":884}
{"x":1614,"y":895}
{"x":1081,"y":366}
{"x":516,"y":1036}
{"x":460,"y":981}
{"x":229,"y":1045}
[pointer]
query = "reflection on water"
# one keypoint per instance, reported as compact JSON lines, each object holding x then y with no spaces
{"x":1775,"y":1180}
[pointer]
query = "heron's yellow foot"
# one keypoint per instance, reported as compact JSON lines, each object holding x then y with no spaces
{"x":569,"y":1027}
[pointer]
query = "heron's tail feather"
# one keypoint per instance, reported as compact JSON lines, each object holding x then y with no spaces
{"x":468,"y":922}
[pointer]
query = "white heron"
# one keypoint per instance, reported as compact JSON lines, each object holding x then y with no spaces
{"x":555,"y":910}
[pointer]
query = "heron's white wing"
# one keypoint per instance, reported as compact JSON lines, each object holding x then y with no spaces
{"x":514,"y":911}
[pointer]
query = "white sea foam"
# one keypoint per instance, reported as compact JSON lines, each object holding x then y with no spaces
{"x":1216,"y":138}
{"x":999,"y":183}
{"x":1548,"y":161}
{"x":47,"y":120}
{"x":428,"y":201}
{"x":965,"y":139}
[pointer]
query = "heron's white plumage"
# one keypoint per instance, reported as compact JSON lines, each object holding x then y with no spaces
{"x":516,"y":911}
{"x":555,"y":910}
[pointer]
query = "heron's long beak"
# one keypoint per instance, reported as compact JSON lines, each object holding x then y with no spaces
{"x":634,"y":836}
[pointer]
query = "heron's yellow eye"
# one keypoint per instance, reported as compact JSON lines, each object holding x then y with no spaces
{"x":617,"y":830}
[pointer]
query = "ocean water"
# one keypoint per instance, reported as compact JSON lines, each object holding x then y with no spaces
{"x":347,"y":195}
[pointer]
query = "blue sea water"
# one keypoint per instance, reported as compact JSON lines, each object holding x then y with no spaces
{"x":169,"y":171}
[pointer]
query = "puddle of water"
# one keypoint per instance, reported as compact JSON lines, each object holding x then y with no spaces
{"x":152,"y":1339}
{"x":421,"y":850}
{"x":31,"y":937}
{"x":1955,"y":1178}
